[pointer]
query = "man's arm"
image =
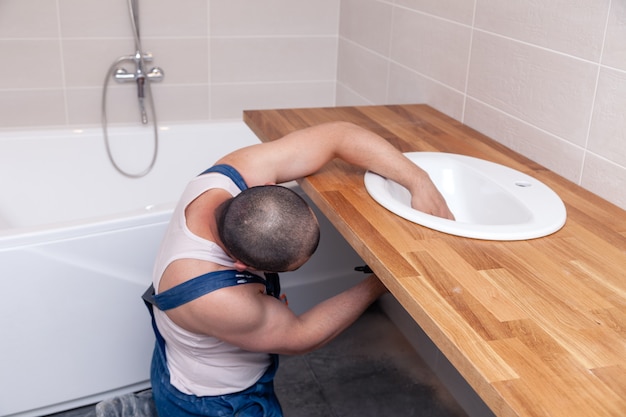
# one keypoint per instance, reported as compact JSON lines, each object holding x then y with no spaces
{"x":304,"y":152}
{"x":245,"y":317}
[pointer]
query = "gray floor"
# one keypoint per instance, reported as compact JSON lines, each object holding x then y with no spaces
{"x":370,"y":370}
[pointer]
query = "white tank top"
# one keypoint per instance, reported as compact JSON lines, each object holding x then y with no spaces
{"x":201,"y":365}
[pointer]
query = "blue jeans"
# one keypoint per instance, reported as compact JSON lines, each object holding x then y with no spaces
{"x":257,"y":401}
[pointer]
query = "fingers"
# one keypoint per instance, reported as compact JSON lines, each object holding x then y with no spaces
{"x":435,"y":206}
{"x":445,"y":212}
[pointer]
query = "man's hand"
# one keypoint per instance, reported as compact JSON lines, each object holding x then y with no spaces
{"x":426,"y":198}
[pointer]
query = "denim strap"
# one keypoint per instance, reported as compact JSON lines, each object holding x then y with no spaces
{"x":201,"y":285}
{"x":192,"y":289}
{"x":230,"y":172}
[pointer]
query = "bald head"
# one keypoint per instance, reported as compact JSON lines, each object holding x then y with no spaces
{"x":269,"y":228}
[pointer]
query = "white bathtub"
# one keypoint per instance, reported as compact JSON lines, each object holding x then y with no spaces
{"x":77,"y":243}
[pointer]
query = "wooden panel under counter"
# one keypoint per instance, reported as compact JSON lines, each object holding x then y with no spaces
{"x":536,"y":327}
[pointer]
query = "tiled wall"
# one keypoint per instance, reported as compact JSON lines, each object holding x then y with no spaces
{"x":546,"y":78}
{"x":219,"y":56}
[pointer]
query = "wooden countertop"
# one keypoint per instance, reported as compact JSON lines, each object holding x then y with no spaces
{"x":537,"y":327}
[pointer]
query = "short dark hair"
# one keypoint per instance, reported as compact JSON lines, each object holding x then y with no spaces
{"x":269,"y":228}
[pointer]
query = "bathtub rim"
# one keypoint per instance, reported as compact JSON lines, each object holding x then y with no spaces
{"x":35,"y":235}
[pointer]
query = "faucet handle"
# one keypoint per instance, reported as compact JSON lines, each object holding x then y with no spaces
{"x":121,"y":75}
{"x":155,"y":74}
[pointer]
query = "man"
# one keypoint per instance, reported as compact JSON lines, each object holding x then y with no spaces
{"x":219,"y":325}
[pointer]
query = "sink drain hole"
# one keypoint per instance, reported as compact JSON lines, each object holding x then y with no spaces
{"x":523,"y":184}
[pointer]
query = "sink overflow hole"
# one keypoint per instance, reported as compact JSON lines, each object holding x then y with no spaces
{"x":523,"y":184}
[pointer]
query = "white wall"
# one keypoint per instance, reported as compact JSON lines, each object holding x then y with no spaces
{"x":546,"y":78}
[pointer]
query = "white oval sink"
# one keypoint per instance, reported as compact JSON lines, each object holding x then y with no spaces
{"x":489,"y":201}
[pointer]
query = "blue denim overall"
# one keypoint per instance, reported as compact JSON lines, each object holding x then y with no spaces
{"x":259,"y":400}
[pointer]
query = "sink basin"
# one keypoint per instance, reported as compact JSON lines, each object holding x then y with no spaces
{"x":489,"y":201}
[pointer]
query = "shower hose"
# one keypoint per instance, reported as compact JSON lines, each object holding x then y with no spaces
{"x":138,"y":59}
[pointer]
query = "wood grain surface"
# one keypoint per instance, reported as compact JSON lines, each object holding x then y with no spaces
{"x":537,"y":327}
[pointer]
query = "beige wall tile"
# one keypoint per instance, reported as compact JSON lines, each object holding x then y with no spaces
{"x":274,"y":17}
{"x":433,"y":47}
{"x":166,"y":18}
{"x":608,"y":127}
{"x":571,"y":26}
{"x":94,"y":33}
{"x":347,"y":97}
{"x":85,"y":105}
{"x":368,"y":23}
{"x":86,"y":61}
{"x":407,"y":86}
{"x":123,"y":105}
{"x":94,"y":18}
{"x":31,"y":64}
{"x":605,"y":179}
{"x":157,"y":18}
{"x":32,"y":108}
{"x":362,"y":71}
{"x":28,"y":19}
{"x":551,"y":91}
{"x":182,"y":103}
{"x":87,"y":66}
{"x":177,"y":103}
{"x":230,"y":100}
{"x":173,"y":56}
{"x":273,"y":59}
{"x":615,"y":44}
{"x":552,"y":152}
{"x":458,"y":10}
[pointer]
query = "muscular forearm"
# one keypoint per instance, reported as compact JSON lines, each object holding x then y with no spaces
{"x":370,"y":151}
{"x":328,"y":319}
{"x":305,"y":151}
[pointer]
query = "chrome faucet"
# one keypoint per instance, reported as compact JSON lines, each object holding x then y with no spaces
{"x":121,"y":75}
